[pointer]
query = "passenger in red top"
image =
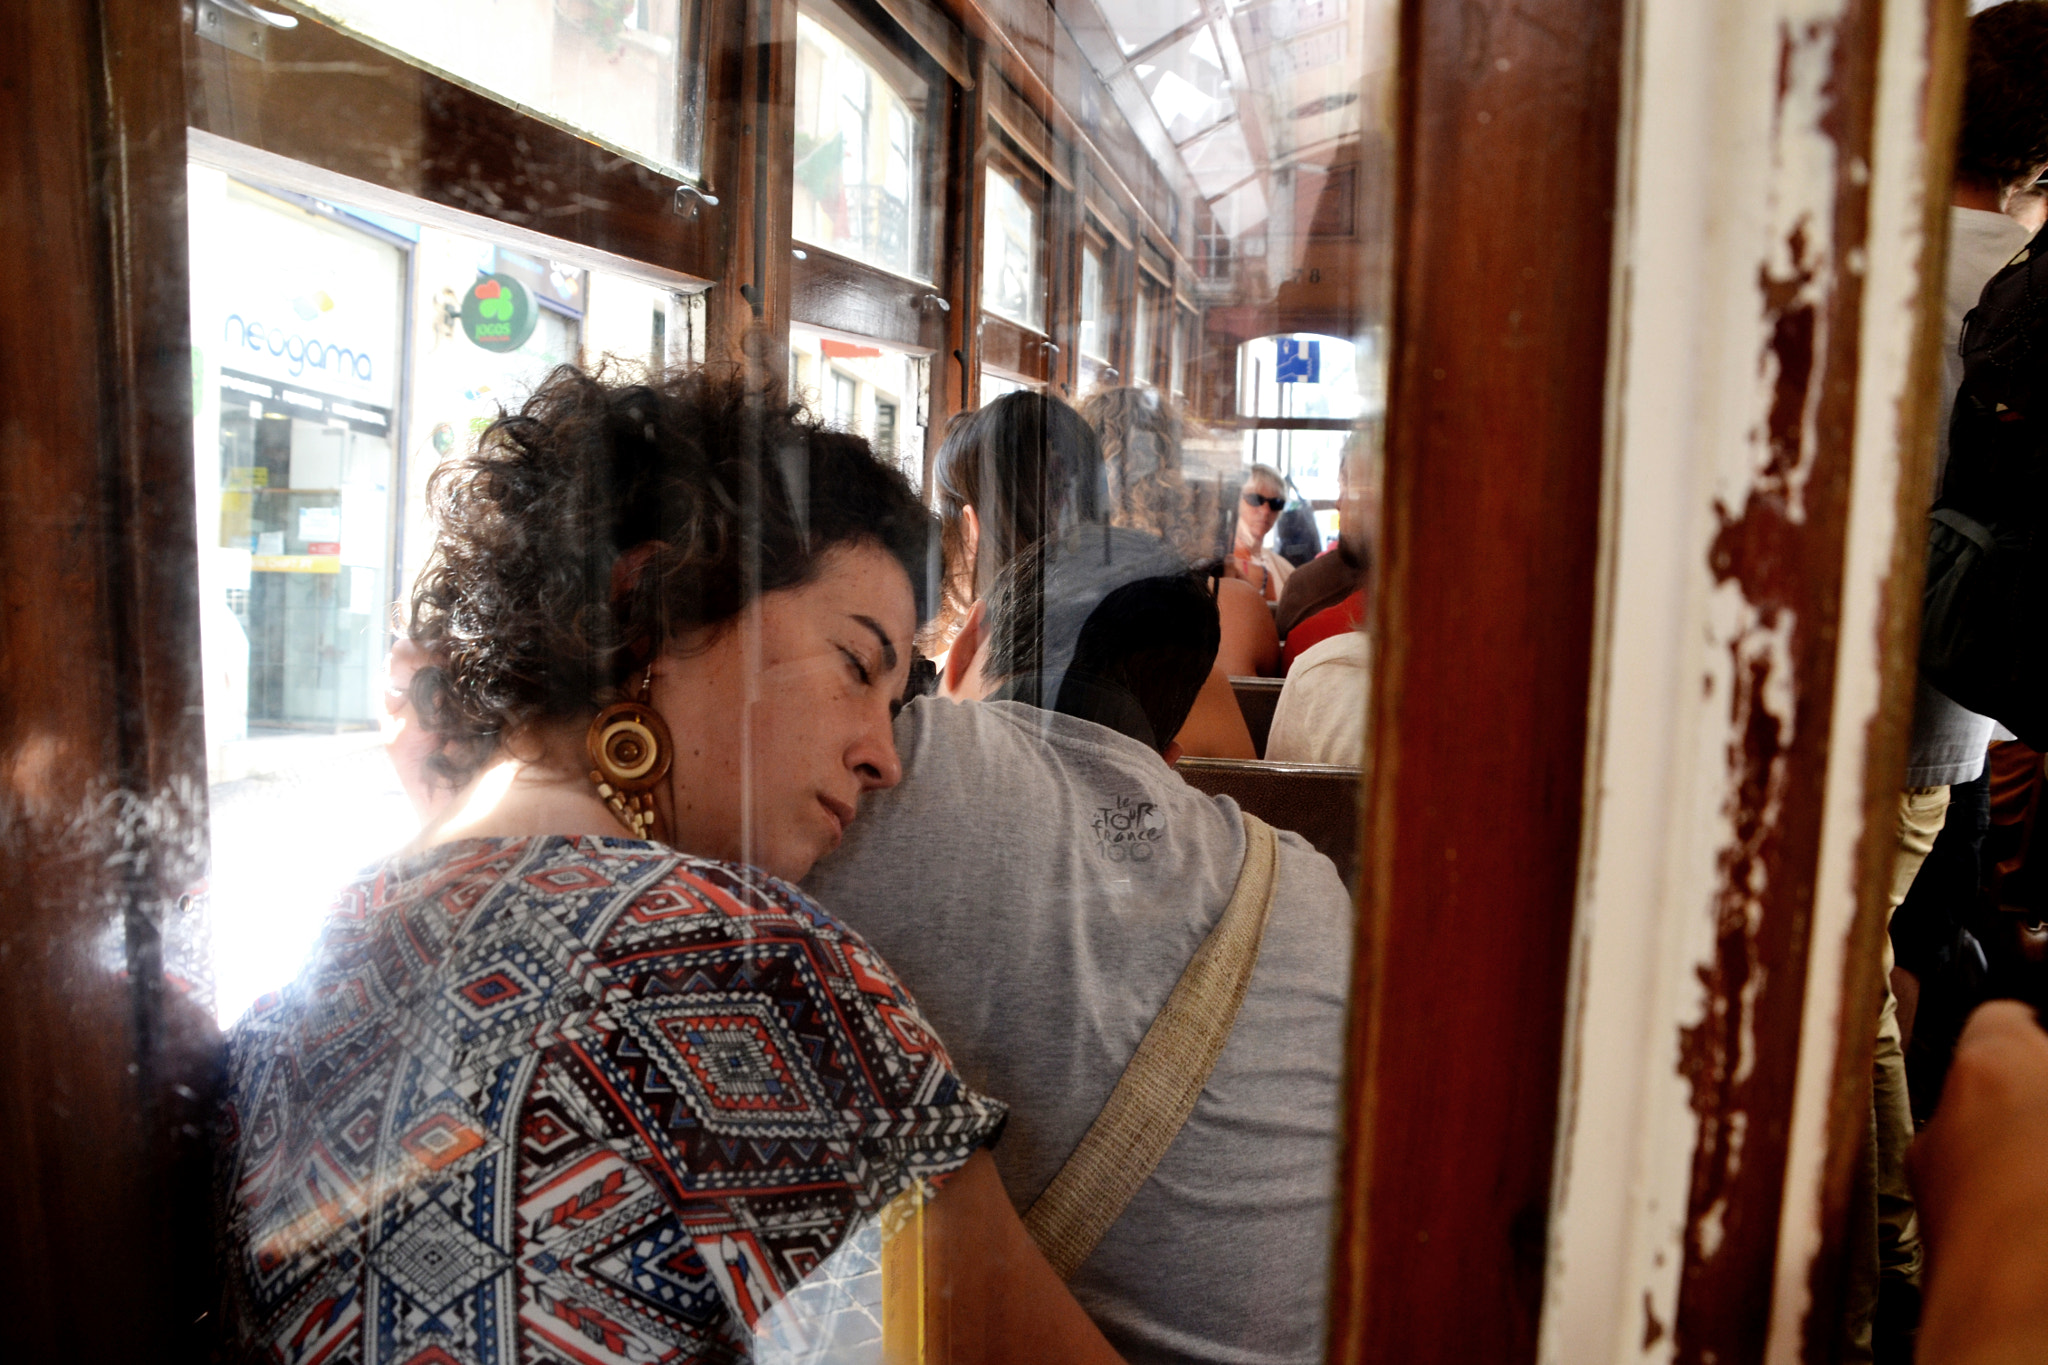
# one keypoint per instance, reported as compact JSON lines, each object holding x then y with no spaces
{"x":1326,"y":596}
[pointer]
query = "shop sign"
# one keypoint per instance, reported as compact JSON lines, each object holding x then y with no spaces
{"x":302,"y":300}
{"x":498,"y":313}
{"x":296,"y":563}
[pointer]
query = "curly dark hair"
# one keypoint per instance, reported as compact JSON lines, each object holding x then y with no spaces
{"x":605,"y":521}
{"x":2004,"y":136}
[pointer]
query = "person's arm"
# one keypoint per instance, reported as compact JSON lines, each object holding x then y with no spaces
{"x":971,"y":1285}
{"x":1980,"y":1174}
{"x":1215,"y":728}
{"x":1251,"y":644}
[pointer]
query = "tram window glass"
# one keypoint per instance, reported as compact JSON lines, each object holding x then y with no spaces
{"x":1186,"y":337}
{"x":1150,"y":282}
{"x":1095,"y":307}
{"x":1012,"y":267}
{"x":1311,"y":379}
{"x":1148,"y":328}
{"x":861,"y":154}
{"x":1094,"y":331}
{"x":624,"y":72}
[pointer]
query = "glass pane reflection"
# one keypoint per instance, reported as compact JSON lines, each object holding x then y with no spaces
{"x":612,"y":69}
{"x":1187,"y":85}
{"x":1010,"y":281}
{"x":860,"y":150}
{"x":1167,"y":345}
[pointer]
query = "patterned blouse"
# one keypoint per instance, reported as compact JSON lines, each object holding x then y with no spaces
{"x":569,"y":1100}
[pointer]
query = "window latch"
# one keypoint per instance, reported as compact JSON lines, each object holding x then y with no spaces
{"x":690,"y":200}
{"x":926,"y":302}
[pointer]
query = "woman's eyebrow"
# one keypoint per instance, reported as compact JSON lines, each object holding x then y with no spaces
{"x":888,"y":645}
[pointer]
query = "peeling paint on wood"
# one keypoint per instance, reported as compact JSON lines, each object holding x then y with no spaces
{"x":1775,"y":561}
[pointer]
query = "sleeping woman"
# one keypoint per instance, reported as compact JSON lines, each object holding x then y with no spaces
{"x":578,"y":1075}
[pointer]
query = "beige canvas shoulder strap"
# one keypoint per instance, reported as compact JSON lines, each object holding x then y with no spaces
{"x":1165,"y":1076}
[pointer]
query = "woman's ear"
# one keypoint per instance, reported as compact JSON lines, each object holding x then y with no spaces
{"x":970,"y":544}
{"x":961,"y":675}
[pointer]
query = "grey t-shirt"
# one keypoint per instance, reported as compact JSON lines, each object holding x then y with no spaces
{"x":1948,"y":742}
{"x":1039,"y":882}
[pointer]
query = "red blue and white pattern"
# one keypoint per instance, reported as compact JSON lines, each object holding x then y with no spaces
{"x":569,"y":1100}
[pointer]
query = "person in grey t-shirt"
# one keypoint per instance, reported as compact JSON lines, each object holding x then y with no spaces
{"x":1041,"y":877}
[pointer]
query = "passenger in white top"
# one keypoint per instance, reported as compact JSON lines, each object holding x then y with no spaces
{"x":1320,"y":717}
{"x":1041,"y":879}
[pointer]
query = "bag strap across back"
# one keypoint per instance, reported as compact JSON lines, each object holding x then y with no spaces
{"x":1165,"y":1076}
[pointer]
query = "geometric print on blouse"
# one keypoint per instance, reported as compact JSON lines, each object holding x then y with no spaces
{"x":569,"y":1100}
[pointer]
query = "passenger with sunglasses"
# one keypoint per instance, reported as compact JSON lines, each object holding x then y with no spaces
{"x":1259,"y":505}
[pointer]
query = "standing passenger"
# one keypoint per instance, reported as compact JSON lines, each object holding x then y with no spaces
{"x":2001,"y":150}
{"x":1043,"y":877}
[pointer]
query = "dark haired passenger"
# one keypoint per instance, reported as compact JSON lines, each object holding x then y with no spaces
{"x":566,"y":1079}
{"x":1014,"y":472}
{"x":1024,"y":469}
{"x":1044,"y":877}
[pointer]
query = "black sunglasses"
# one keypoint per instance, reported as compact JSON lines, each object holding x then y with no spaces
{"x":1254,"y":499}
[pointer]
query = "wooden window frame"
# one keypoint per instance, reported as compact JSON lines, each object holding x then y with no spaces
{"x":326,"y":99}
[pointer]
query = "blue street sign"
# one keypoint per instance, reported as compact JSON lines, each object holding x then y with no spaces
{"x":1299,"y":362}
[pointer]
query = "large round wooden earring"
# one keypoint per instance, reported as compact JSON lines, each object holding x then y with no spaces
{"x":630,"y":751}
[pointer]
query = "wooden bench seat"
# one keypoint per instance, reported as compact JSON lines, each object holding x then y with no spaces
{"x":1317,"y":801}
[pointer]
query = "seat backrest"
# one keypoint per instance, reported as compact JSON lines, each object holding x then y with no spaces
{"x":1316,"y":801}
{"x":1256,"y":698}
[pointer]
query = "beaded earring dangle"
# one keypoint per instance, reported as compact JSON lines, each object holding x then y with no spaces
{"x":630,"y":749}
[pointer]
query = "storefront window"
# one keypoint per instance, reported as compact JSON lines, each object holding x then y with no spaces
{"x":864,"y":387}
{"x":340,"y":356}
{"x":860,"y":147}
{"x":620,"y":71}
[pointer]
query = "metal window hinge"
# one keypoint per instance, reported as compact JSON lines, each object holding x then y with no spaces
{"x":238,"y":25}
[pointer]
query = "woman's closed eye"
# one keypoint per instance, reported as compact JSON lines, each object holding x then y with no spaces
{"x":859,"y":666}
